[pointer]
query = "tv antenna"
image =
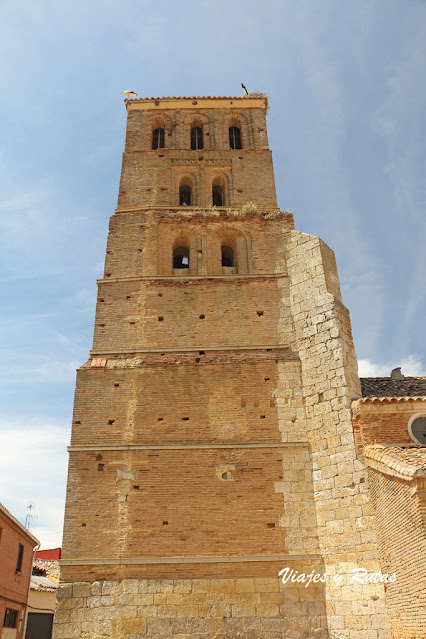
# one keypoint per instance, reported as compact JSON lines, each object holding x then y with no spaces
{"x":30,"y":514}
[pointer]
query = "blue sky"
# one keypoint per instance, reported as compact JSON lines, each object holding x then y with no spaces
{"x":346,"y":84}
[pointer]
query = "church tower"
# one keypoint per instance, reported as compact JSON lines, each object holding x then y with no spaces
{"x":212,"y":443}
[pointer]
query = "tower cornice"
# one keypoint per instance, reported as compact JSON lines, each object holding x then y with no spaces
{"x":208,"y":102}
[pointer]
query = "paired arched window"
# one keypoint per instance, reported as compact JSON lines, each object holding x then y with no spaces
{"x":228,"y":258}
{"x":181,"y":257}
{"x":158,"y":139}
{"x":185,"y":196}
{"x":235,"y":137}
{"x":196,"y":138}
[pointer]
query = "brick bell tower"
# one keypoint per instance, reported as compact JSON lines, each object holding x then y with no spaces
{"x":212,"y":441}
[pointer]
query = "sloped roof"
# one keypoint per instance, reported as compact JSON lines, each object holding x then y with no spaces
{"x":393,"y":387}
{"x":404,"y":462}
{"x":43,"y":584}
{"x":49,"y":566}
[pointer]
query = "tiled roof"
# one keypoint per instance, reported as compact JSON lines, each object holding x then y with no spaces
{"x":43,"y":584}
{"x":202,"y":97}
{"x":50,"y":566}
{"x":405,"y":463}
{"x":393,"y":387}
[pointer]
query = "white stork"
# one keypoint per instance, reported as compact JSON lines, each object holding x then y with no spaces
{"x":130,"y":94}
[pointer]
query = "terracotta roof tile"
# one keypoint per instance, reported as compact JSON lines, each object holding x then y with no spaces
{"x":43,"y":584}
{"x":390,"y":387}
{"x":402,"y":462}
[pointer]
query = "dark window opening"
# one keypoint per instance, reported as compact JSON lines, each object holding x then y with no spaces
{"x":100,"y":467}
{"x":19,"y":558}
{"x":10,"y":618}
{"x":158,"y":139}
{"x":181,"y":257}
{"x":196,"y":138}
{"x":227,"y":256}
{"x":217,"y":196}
{"x":234,"y":137}
{"x":185,"y":196}
{"x":165,"y":523}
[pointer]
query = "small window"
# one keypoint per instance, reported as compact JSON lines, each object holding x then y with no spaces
{"x":417,"y":428}
{"x":217,"y":196}
{"x":158,"y":139}
{"x":181,"y":257}
{"x":185,"y":196}
{"x":196,"y":138}
{"x":19,"y":558}
{"x":234,"y":137}
{"x":10,"y":618}
{"x":227,"y":256}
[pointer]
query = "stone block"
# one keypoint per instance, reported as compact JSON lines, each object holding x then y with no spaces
{"x":81,"y":590}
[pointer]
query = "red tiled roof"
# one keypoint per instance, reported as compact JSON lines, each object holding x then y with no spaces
{"x":405,"y":463}
{"x":202,"y":97}
{"x":393,"y":387}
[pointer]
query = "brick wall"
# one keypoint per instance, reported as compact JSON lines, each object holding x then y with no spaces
{"x":152,"y":177}
{"x":212,"y":433}
{"x":384,"y":421}
{"x":402,"y":535}
{"x":14,"y":584}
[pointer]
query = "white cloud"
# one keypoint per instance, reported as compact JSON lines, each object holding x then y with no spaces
{"x":33,"y":468}
{"x":56,"y":371}
{"x":410,"y":366}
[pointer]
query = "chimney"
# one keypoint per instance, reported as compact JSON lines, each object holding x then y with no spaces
{"x":396,"y":373}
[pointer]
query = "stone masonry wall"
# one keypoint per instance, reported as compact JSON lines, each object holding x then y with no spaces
{"x":186,"y":609}
{"x":344,"y":515}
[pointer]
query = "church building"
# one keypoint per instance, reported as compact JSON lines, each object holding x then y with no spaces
{"x":218,"y":486}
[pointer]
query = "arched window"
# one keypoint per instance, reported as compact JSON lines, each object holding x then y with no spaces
{"x":185,"y":196}
{"x":217,"y":195}
{"x":228,"y":256}
{"x":158,"y":139}
{"x":181,"y":257}
{"x":234,"y":137}
{"x":196,"y":138}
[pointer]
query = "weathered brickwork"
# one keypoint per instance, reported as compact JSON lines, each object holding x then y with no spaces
{"x":152,"y":177}
{"x":212,"y":443}
{"x":384,"y":421}
{"x":398,"y":493}
{"x":400,"y":507}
